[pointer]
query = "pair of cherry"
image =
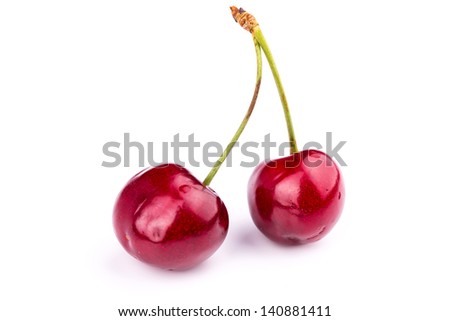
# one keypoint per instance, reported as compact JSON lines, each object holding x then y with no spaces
{"x":164,"y":216}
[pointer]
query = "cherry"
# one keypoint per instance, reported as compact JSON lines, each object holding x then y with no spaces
{"x":166,"y":217}
{"x":299,"y":198}
{"x":296,"y":199}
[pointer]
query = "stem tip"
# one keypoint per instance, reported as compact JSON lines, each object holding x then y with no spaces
{"x":246,"y":20}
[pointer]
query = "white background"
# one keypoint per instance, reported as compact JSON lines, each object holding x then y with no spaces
{"x":77,"y":74}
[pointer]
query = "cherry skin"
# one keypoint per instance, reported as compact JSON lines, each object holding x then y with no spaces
{"x":165,"y":217}
{"x":296,"y":199}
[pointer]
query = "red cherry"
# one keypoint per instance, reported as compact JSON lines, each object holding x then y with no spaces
{"x":165,"y":217}
{"x":296,"y":199}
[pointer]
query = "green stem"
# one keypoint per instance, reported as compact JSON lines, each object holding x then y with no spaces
{"x":239,"y":131}
{"x":257,"y":33}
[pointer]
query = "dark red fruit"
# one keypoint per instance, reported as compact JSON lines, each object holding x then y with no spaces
{"x":165,"y":217}
{"x":296,"y":199}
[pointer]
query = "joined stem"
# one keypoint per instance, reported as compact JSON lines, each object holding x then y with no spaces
{"x":249,"y":23}
{"x":244,"y":122}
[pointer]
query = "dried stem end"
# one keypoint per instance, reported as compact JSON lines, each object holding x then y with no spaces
{"x":245,"y":19}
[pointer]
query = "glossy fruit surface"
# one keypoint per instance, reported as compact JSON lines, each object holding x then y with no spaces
{"x":296,"y":199}
{"x":165,"y":217}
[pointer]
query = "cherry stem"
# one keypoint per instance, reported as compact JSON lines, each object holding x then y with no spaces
{"x":257,"y":33}
{"x":244,"y":122}
{"x":249,"y":23}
